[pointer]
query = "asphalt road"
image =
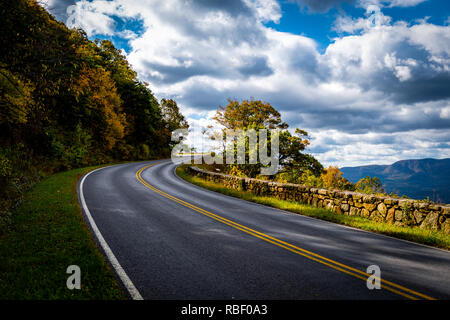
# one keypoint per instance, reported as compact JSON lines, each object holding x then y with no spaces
{"x":169,"y":239}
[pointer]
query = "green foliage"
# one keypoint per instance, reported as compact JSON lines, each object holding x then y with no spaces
{"x":172,"y":119}
{"x":296,"y":165}
{"x":48,"y":235}
{"x":407,"y":216}
{"x":71,"y":150}
{"x":235,"y":171}
{"x":145,"y":151}
{"x":172,"y":116}
{"x":249,"y":114}
{"x":370,"y":185}
{"x":15,"y":98}
{"x":16,"y":175}
{"x":292,"y":158}
{"x":66,"y":101}
{"x":256,"y":115}
{"x":5,"y":167}
{"x":332,"y":178}
{"x":310,"y":179}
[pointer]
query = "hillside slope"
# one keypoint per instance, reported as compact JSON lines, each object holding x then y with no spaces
{"x":68,"y":102}
{"x":415,"y":178}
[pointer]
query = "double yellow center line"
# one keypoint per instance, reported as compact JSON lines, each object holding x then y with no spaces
{"x":390,"y":286}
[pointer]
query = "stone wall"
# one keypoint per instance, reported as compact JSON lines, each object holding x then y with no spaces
{"x":402,"y":212}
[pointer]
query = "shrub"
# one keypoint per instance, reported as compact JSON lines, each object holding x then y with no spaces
{"x":370,"y":185}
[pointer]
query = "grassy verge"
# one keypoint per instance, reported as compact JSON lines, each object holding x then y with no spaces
{"x":428,"y":237}
{"x":48,"y":234}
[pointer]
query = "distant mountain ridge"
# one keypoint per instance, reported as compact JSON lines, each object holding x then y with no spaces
{"x":415,"y":178}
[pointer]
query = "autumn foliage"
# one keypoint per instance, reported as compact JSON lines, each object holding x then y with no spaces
{"x":66,"y":101}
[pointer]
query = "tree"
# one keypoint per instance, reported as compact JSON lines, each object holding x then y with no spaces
{"x":15,"y":98}
{"x":257,"y":115}
{"x":172,"y":116}
{"x":104,"y":115}
{"x":172,"y":119}
{"x":292,"y":158}
{"x":369,"y":185}
{"x":332,"y":178}
{"x":310,"y":179}
{"x":249,"y":114}
{"x":66,"y":101}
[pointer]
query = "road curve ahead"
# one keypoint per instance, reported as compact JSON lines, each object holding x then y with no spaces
{"x":168,"y":239}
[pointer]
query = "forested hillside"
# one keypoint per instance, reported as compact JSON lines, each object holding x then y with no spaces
{"x":66,"y":101}
{"x":416,"y":178}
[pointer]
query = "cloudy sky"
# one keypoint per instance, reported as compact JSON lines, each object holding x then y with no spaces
{"x":368,"y":79}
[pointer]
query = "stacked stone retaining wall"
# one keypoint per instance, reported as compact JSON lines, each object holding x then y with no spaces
{"x":395,"y":211}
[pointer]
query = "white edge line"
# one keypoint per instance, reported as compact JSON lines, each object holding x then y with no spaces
{"x":134,"y":293}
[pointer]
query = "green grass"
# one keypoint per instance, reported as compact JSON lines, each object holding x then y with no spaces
{"x":415,"y":234}
{"x":48,"y":233}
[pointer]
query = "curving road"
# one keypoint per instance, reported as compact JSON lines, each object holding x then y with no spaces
{"x":168,"y":239}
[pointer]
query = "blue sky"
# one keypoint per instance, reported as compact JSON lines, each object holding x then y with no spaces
{"x":368,"y":79}
{"x":320,"y":25}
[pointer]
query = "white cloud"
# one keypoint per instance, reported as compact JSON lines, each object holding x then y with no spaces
{"x":344,"y":149}
{"x":400,"y":67}
{"x":388,"y":80}
{"x":375,"y":18}
{"x":403,"y":73}
{"x":93,"y":17}
{"x":265,"y":10}
{"x":405,"y":3}
{"x":445,"y":113}
{"x":326,"y":5}
{"x":390,"y":3}
{"x":406,"y":63}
